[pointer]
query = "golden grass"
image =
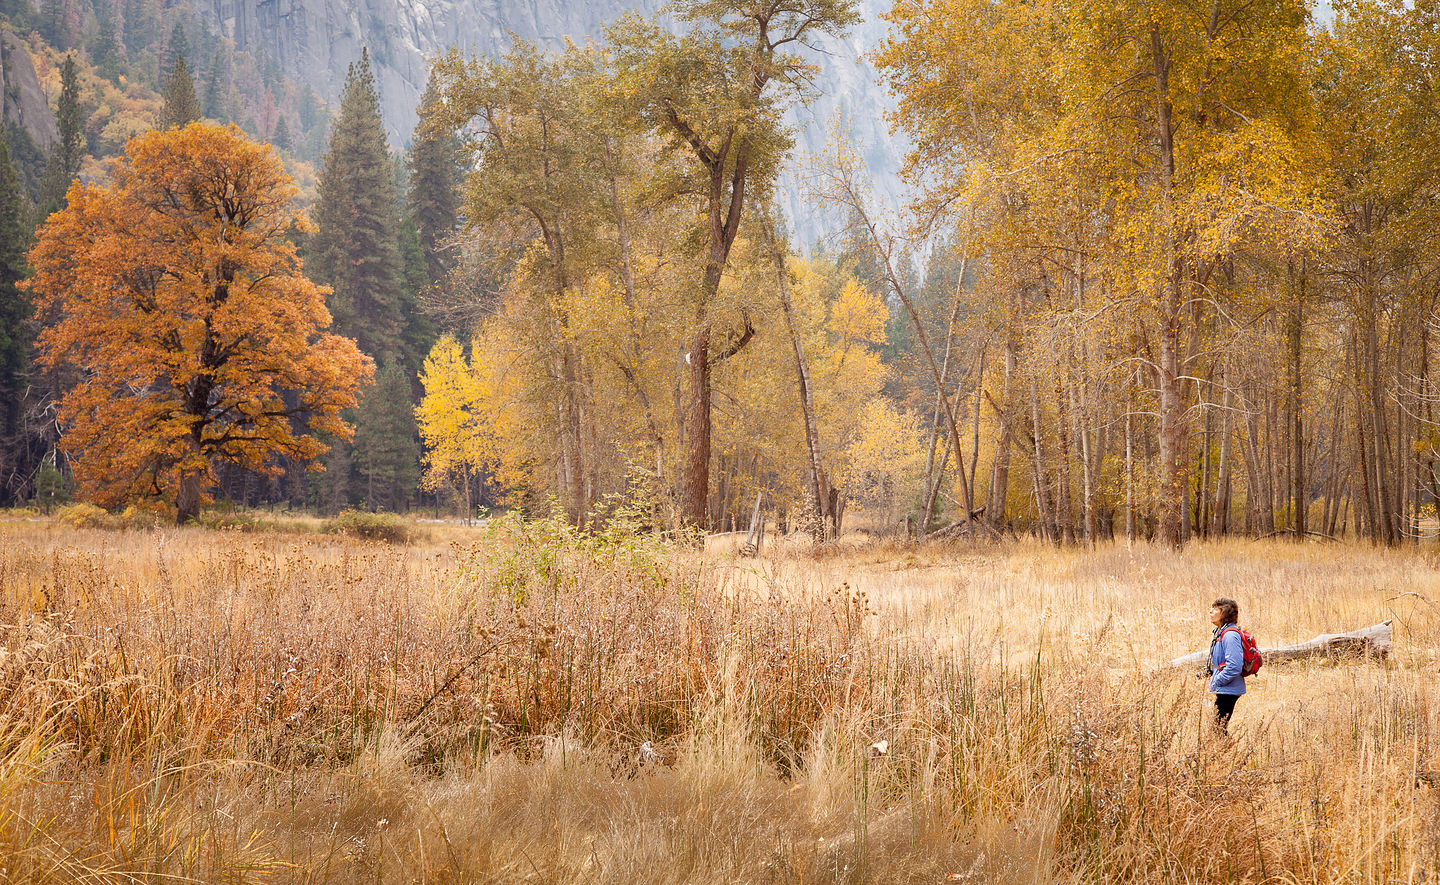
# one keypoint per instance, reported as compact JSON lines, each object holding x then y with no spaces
{"x":519,"y":704}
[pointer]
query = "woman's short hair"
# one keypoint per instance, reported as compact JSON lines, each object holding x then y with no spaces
{"x":1229,"y":610}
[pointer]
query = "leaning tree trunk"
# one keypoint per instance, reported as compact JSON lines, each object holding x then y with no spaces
{"x":966,"y":497}
{"x":933,"y":475}
{"x":819,"y":489}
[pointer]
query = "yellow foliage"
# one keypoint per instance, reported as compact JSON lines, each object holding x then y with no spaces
{"x":857,"y":317}
{"x":453,"y":425}
{"x":886,"y":460}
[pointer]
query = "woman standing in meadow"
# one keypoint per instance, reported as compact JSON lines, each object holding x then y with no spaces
{"x":1227,"y":660}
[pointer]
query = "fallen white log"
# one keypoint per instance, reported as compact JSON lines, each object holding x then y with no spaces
{"x":1371,"y":642}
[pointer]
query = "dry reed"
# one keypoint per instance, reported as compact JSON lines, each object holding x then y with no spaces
{"x":528,"y":704}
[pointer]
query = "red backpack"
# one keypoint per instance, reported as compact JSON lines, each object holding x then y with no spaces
{"x":1253,"y":659}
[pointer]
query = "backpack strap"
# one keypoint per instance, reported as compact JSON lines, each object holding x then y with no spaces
{"x":1221,"y":635}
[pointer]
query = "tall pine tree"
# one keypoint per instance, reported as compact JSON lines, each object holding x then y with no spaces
{"x":434,"y":198}
{"x":55,"y":23}
{"x":217,"y":88}
{"x":105,"y":50}
{"x":14,"y":338}
{"x":281,"y":139}
{"x":69,"y":149}
{"x":178,"y":48}
{"x":142,"y":24}
{"x":356,"y":250}
{"x":181,"y":105}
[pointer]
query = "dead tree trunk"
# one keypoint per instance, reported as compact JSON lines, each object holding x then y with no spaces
{"x":819,"y":488}
{"x":1300,"y":498}
{"x":932,"y":475}
{"x":1000,"y":470}
{"x":1373,"y":642}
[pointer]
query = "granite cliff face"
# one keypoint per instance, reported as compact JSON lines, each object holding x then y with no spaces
{"x":316,"y":40}
{"x":22,"y":100}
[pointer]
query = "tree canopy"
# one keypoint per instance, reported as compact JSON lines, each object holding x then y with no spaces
{"x":177,"y":296}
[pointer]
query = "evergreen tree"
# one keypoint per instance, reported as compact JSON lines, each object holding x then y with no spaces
{"x":53,"y":24}
{"x":434,"y":198}
{"x":181,"y":105}
{"x":26,"y":156}
{"x":312,"y":116}
{"x":330,"y":489}
{"x":387,"y":447}
{"x":356,"y":250}
{"x":105,"y":50}
{"x":420,"y":333}
{"x":14,"y":339}
{"x":142,"y":25}
{"x":355,"y":247}
{"x":216,"y":88}
{"x":69,"y":149}
{"x":857,"y":255}
{"x":281,"y":139}
{"x":309,"y":109}
{"x":19,"y":14}
{"x":177,"y":49}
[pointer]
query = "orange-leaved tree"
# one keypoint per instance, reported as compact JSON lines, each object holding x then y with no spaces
{"x":177,"y":298}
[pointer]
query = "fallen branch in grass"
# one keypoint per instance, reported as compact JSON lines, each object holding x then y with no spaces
{"x":474,"y":659}
{"x":1420,"y":596}
{"x":1370,"y":642}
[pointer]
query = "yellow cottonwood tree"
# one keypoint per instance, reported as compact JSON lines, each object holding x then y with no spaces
{"x":1128,"y":150}
{"x":456,"y":422}
{"x":717,"y":93}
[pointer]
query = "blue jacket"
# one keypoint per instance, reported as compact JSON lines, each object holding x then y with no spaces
{"x":1227,"y":661}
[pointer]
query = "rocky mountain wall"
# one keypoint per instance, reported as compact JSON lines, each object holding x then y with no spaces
{"x":316,"y":40}
{"x":22,"y":100}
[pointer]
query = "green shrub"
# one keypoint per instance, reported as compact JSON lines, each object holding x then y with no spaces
{"x":149,"y":514}
{"x":231,"y":520}
{"x":51,"y":487}
{"x":385,"y":527}
{"x":85,"y":516}
{"x":226,"y":517}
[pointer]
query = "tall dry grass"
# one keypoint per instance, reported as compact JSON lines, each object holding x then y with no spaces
{"x":526,"y":704}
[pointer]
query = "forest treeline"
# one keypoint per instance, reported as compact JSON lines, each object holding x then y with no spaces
{"x":1179,"y":277}
{"x":126,"y":52}
{"x":1209,"y":239}
{"x":113,"y":69}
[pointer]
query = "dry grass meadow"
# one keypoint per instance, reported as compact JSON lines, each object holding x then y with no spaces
{"x":519,"y":704}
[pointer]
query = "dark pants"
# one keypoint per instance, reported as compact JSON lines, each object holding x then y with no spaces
{"x":1224,"y":706}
